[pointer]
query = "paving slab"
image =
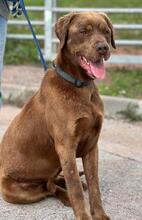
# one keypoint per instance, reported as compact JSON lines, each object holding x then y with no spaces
{"x":120,"y":170}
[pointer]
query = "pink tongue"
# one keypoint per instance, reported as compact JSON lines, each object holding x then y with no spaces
{"x":93,"y":69}
{"x":97,"y":70}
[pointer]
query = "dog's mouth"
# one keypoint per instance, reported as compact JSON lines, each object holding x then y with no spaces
{"x":94,"y":69}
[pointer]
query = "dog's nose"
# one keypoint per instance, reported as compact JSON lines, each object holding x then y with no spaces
{"x":102,"y":48}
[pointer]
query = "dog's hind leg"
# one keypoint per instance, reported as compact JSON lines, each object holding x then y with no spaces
{"x":58,"y":191}
{"x":62,"y":195}
{"x":29,"y":192}
{"x":22,"y":192}
{"x":60,"y":181}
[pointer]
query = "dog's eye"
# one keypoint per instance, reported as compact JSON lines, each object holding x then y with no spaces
{"x":106,"y":31}
{"x":83,"y":31}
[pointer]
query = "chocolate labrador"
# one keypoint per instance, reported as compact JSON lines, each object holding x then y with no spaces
{"x":61,"y":122}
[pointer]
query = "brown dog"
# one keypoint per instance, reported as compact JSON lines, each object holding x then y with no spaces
{"x":61,"y":121}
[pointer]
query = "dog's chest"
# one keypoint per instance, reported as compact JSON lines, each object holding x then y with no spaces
{"x":88,"y":130}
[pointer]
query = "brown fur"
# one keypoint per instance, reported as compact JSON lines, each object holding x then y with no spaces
{"x":58,"y":124}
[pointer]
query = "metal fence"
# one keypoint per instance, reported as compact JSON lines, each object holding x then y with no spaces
{"x":52,"y":11}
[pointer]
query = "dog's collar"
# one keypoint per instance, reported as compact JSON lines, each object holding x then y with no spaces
{"x":76,"y":82}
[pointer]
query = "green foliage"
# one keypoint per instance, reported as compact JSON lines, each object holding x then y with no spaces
{"x":101,"y":3}
{"x":21,"y":52}
{"x":122,"y":82}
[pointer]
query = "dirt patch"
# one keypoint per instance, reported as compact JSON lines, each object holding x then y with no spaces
{"x":22,"y":75}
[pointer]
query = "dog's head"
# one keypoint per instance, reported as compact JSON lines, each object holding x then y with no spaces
{"x":86,"y":38}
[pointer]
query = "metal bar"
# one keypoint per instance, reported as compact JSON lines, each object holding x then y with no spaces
{"x":107,"y":10}
{"x":23,"y":22}
{"x":48,"y":29}
{"x":128,"y":26}
{"x":129,"y":42}
{"x":125,"y":59}
{"x":24,"y":36}
{"x":54,"y":20}
{"x":35,"y":8}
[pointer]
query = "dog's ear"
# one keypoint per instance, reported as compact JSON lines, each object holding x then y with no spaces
{"x":61,"y":28}
{"x":111,"y":28}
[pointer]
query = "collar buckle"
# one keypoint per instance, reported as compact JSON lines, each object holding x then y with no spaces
{"x":80,"y":84}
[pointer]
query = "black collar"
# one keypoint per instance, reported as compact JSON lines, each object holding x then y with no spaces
{"x":76,"y":82}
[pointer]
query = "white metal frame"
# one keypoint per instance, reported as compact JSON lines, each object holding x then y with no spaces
{"x":51,"y":10}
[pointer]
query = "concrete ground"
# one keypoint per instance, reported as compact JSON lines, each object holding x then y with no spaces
{"x":120,"y":175}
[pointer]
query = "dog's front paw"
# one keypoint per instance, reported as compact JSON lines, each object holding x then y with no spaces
{"x":100,"y":216}
{"x":84,"y":216}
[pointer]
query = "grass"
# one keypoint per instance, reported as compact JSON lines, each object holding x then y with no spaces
{"x":126,"y":82}
{"x":101,"y":3}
